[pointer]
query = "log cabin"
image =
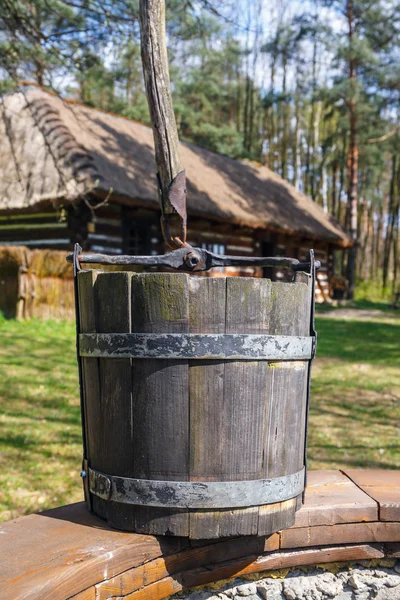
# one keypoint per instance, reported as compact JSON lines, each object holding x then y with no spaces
{"x":70,"y":173}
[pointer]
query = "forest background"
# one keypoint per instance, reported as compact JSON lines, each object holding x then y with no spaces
{"x":309,"y":88}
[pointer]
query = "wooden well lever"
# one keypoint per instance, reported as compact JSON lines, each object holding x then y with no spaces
{"x":171,"y":176}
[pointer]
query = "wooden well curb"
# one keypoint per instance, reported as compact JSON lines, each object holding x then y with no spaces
{"x":67,"y":553}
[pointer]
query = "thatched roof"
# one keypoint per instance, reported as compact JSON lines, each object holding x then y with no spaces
{"x":57,"y":150}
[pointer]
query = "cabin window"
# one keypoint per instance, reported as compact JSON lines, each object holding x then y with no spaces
{"x":137,"y":237}
{"x":216,"y":248}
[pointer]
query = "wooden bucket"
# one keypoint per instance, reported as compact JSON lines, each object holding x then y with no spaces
{"x":200,"y":433}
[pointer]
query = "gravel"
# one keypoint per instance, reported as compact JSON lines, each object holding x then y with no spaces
{"x":349,"y":583}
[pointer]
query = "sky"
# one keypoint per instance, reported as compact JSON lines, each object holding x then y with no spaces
{"x":253,"y":23}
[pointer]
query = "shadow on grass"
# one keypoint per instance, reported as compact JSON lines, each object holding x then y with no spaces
{"x":363,"y":415}
{"x":381,"y":305}
{"x":347,"y":462}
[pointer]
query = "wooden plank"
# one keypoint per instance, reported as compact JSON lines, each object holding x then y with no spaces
{"x":192,"y":558}
{"x":65,"y":551}
{"x":113,"y":452}
{"x":274,"y":517}
{"x":382,"y":486}
{"x":157,"y":591}
{"x":285,"y":418}
{"x":206,"y":393}
{"x":94,"y":419}
{"x":280,"y":560}
{"x":160,"y":397}
{"x":245,"y":398}
{"x":348,"y":533}
{"x":88,"y":594}
{"x":333,"y":498}
{"x":60,"y":552}
{"x":29,"y":233}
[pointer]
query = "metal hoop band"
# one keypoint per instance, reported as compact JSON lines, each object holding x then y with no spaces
{"x":181,"y":346}
{"x":195,"y":494}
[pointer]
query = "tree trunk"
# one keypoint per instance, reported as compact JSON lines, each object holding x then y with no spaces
{"x":390,"y":224}
{"x":156,"y":78}
{"x":352,"y":163}
{"x":272,"y":116}
{"x":324,"y":188}
{"x":309,"y":175}
{"x":372,"y":273}
{"x":362,"y":229}
{"x":314,"y":170}
{"x":334,"y":188}
{"x":382,"y":214}
{"x":284,"y":123}
{"x":342,"y":179}
{"x":297,"y":148}
{"x":396,"y":238}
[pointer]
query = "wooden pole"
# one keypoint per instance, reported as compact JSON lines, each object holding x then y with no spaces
{"x":171,"y":176}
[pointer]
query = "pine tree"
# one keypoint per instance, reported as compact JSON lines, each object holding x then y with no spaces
{"x":370,"y":29}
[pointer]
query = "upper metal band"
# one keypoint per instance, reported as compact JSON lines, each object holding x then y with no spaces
{"x":196,"y":494}
{"x":196,"y":346}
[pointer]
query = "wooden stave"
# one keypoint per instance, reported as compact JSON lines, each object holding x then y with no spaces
{"x":197,"y":524}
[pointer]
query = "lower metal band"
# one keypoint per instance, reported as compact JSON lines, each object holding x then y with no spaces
{"x":196,"y":494}
{"x":181,"y":346}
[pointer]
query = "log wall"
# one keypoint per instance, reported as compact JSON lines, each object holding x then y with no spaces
{"x":47,"y":229}
{"x":115,"y":229}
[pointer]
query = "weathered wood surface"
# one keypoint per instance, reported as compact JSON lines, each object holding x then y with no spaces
{"x":114,"y":441}
{"x":255,"y":564}
{"x":285,"y":418}
{"x":382,"y":486}
{"x":245,"y":398}
{"x":156,"y":78}
{"x":332,"y":498}
{"x":194,"y":420}
{"x":94,"y":421}
{"x":67,"y":552}
{"x":160,"y":444}
{"x":188,"y":560}
{"x":62,"y":552}
{"x":341,"y":533}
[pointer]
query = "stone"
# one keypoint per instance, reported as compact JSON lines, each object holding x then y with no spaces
{"x":392,"y":581}
{"x":270,"y":590}
{"x":231,"y":592}
{"x":380,"y":573}
{"x":385,"y":594}
{"x":249,"y":589}
{"x":328,"y":585}
{"x":356,"y":583}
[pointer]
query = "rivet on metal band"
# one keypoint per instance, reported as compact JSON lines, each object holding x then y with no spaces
{"x":196,"y":494}
{"x":203,"y":346}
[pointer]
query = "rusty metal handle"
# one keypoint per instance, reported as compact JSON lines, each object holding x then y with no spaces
{"x":190,"y":259}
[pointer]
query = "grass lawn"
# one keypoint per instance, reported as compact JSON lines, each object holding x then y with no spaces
{"x":355,"y":401}
{"x":355,"y":405}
